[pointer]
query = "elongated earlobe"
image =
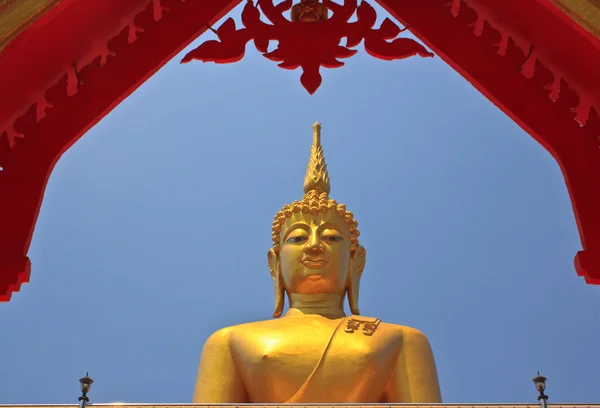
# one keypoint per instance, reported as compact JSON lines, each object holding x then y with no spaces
{"x":353,"y":288}
{"x":279,"y":296}
{"x":274,"y":269}
{"x":357,"y":265}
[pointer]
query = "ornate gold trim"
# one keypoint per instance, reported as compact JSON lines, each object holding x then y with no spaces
{"x":16,"y":15}
{"x":369,"y":325}
{"x":585,"y":12}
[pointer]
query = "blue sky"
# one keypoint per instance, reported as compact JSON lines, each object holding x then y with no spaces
{"x":155,"y":228}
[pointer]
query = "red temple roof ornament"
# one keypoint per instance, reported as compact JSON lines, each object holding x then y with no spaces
{"x":308,"y":43}
{"x":72,"y":61}
{"x":486,"y":19}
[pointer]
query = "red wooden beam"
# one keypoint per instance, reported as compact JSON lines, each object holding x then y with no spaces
{"x":64,"y":39}
{"x":561,"y":50}
{"x":27,"y":165}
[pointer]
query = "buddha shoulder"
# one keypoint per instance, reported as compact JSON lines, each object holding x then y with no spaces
{"x":294,"y":326}
{"x":405,"y":331}
{"x":222,"y":336}
{"x":273,"y":328}
{"x":414,"y":342}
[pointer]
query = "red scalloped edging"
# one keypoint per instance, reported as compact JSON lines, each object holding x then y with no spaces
{"x":587,"y":101}
{"x":21,"y":270}
{"x":97,"y":55}
{"x":14,"y":274}
{"x":551,"y":110}
{"x":79,"y":100}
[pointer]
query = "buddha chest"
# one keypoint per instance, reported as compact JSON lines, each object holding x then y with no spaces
{"x":283,"y":353}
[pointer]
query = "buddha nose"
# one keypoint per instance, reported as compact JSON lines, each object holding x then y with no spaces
{"x":314,"y":246}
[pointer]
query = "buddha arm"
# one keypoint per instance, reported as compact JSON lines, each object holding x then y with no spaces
{"x":218,"y":379}
{"x":415,"y":377}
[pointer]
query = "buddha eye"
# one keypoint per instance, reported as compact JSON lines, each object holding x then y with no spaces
{"x":297,"y":240}
{"x":331,"y":235}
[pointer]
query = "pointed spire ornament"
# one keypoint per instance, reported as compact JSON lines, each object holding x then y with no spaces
{"x":317,"y":178}
{"x":316,"y":195}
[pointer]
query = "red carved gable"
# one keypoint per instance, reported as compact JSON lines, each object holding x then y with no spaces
{"x":526,"y":56}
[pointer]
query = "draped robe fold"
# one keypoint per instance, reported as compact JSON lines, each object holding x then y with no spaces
{"x":312,"y":385}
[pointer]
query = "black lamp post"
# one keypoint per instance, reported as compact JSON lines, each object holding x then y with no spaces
{"x":85,"y":384}
{"x":540,"y":385}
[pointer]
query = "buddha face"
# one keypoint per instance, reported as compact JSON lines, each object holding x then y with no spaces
{"x":315,"y":253}
{"x":314,"y":256}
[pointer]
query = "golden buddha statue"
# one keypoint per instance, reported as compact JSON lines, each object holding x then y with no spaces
{"x":309,"y":11}
{"x":315,"y":353}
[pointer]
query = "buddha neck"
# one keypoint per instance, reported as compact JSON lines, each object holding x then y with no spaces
{"x":325,"y":304}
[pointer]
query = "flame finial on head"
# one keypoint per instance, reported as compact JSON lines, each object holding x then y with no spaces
{"x":316,"y":196}
{"x":317,"y":178}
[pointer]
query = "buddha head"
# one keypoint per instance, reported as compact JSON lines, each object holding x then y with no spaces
{"x":315,"y":241}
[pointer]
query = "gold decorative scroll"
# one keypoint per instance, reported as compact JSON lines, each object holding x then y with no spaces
{"x":16,"y":15}
{"x":585,"y":12}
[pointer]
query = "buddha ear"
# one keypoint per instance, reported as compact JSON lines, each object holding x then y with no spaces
{"x":273,"y":261}
{"x":358,"y":261}
{"x":275,"y":270}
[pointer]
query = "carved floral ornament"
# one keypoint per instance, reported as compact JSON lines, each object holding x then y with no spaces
{"x":310,"y":40}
